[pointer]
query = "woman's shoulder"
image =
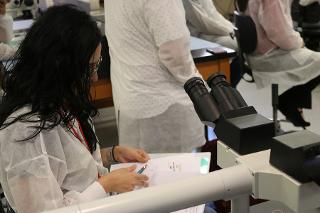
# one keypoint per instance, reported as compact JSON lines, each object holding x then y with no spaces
{"x":20,"y":125}
{"x":26,"y":114}
{"x":22,"y":144}
{"x":28,"y":133}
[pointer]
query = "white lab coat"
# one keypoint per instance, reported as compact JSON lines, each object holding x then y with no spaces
{"x":287,"y":63}
{"x":150,"y":62}
{"x":52,"y":170}
{"x":6,"y":35}
{"x":204,"y":21}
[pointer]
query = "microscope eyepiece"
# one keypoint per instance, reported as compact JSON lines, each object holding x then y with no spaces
{"x":203,"y":102}
{"x":217,"y":79}
{"x":235,"y":123}
{"x":228,"y":98}
{"x":193,"y":82}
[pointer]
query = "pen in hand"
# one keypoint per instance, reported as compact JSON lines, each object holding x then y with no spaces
{"x":142,"y":169}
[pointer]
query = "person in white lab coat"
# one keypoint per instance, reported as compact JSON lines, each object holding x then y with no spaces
{"x":281,"y":57}
{"x":150,"y":62}
{"x":204,"y":21}
{"x":49,"y":153}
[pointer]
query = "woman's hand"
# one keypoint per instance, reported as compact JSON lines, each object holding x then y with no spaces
{"x":123,"y":180}
{"x":126,"y":154}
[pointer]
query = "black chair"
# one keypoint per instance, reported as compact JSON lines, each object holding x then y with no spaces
{"x":246,"y":36}
{"x":245,"y":32}
{"x":307,"y":20}
{"x":310,"y":25}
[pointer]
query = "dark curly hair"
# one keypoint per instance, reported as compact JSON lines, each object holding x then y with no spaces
{"x":51,"y":72}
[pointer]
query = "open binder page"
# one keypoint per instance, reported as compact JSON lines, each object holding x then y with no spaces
{"x":175,"y":167}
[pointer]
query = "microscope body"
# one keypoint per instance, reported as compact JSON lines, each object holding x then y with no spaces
{"x":270,"y":183}
{"x":245,"y":130}
{"x":235,"y":123}
{"x":290,"y":174}
{"x":298,"y":155}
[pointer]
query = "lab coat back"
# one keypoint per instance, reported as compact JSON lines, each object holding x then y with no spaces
{"x":142,"y":84}
{"x":150,"y":62}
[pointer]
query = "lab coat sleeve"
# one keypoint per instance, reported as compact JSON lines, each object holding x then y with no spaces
{"x":167,"y":24}
{"x":203,"y":15}
{"x":278,"y":25}
{"x":35,"y":183}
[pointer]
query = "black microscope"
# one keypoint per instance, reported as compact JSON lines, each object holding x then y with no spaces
{"x":240,"y":127}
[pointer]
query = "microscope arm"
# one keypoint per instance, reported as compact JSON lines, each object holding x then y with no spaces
{"x":270,"y":183}
{"x":223,"y":184}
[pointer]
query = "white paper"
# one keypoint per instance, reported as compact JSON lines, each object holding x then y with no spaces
{"x":173,"y":168}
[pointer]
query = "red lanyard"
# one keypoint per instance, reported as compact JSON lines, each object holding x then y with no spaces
{"x":82,"y":139}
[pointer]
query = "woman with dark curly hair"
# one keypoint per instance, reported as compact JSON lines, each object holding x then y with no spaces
{"x":49,"y":153}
